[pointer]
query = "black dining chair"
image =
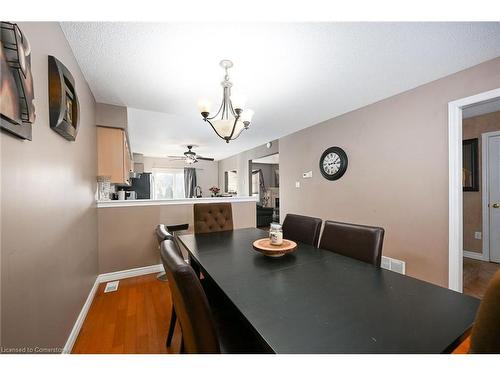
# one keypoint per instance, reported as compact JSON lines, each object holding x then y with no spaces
{"x":360,"y":242}
{"x":485,"y":334}
{"x":301,"y":228}
{"x":202,"y":330}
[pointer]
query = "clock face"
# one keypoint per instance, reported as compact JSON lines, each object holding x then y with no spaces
{"x":333,"y":163}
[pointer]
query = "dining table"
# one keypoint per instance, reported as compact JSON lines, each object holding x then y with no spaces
{"x":317,"y":301}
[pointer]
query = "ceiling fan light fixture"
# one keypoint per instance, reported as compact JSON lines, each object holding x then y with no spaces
{"x":231,"y":118}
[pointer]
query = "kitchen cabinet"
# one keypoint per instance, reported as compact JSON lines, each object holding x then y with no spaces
{"x":113,"y":155}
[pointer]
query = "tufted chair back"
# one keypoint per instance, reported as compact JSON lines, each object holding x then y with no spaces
{"x":212,"y":217}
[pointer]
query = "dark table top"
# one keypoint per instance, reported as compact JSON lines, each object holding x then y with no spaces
{"x":316,"y":301}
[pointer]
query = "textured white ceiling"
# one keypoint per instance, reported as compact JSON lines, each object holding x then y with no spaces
{"x":293,"y":74}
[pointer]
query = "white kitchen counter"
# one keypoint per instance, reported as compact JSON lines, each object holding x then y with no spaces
{"x":164,"y":202}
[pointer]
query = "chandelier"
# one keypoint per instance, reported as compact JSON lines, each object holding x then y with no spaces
{"x":231,"y":118}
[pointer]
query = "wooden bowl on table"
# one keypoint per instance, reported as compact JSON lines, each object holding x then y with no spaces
{"x":264,"y":246}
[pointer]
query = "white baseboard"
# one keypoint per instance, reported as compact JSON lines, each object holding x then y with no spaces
{"x":81,"y":318}
{"x":473,"y":255}
{"x":102,"y":278}
{"x":118,"y":275}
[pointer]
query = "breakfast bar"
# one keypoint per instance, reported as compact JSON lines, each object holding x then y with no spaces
{"x":127,"y":238}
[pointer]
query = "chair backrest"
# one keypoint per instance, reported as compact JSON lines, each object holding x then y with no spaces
{"x":356,"y":241}
{"x":190,"y":302}
{"x":162,"y":233}
{"x":301,"y":228}
{"x":212,"y":217}
{"x":485,"y":335}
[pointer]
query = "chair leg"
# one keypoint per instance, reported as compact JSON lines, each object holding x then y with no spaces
{"x":171,"y":328}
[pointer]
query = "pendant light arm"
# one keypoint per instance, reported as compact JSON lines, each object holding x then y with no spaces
{"x":234,"y":127}
{"x":220,"y":108}
{"x":215,"y":130}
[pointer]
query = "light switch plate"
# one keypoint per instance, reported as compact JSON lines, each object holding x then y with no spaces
{"x":307,"y":174}
{"x":297,"y":184}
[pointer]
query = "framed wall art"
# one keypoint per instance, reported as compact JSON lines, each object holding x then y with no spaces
{"x":63,"y":101}
{"x":17,"y":108}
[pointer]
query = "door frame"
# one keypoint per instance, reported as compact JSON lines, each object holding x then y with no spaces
{"x":485,"y":191}
{"x":455,"y":193}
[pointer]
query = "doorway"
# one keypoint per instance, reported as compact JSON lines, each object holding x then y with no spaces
{"x":481,"y":199}
{"x":264,"y":185}
{"x":473,"y":152}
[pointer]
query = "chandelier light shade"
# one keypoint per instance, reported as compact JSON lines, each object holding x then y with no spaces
{"x":232,"y":117}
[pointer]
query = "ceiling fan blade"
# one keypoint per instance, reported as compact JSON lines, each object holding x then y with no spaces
{"x":202,"y":158}
{"x":176,"y":157}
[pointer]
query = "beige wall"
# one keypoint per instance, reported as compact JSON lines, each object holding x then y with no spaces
{"x":207,"y":172}
{"x":113,"y":116}
{"x":398,"y":169}
{"x":49,"y":219}
{"x":127,"y":234}
{"x":472,"y":210}
{"x":239,"y":163}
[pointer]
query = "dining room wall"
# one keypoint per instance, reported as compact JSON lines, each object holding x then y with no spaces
{"x":48,"y":211}
{"x":473,"y":127}
{"x":398,"y":169}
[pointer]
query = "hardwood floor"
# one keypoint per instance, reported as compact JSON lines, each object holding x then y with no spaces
{"x":477,"y":275}
{"x":134,"y":319}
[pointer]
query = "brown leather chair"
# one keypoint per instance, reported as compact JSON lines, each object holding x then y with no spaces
{"x":212,"y":217}
{"x":360,"y":242}
{"x":190,"y":302}
{"x":301,"y":228}
{"x":485,"y":335}
{"x":161,"y":235}
{"x":202,"y":331}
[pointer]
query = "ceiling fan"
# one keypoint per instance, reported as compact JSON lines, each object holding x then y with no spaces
{"x":190,"y":156}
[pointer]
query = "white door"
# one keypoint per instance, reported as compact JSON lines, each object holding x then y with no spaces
{"x":494,"y":196}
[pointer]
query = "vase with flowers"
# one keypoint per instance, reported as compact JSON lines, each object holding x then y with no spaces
{"x":215,"y":191}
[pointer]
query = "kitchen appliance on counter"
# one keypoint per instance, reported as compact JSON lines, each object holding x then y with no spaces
{"x":142,"y":186}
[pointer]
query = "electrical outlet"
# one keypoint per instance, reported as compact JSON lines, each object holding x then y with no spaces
{"x":297,"y":184}
{"x":307,"y":174}
{"x":477,"y":235}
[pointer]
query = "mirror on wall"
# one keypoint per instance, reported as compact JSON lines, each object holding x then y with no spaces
{"x":470,"y":164}
{"x":231,"y":182}
{"x":264,"y":185}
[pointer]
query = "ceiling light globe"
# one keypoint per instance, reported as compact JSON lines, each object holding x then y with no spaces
{"x":224,"y":127}
{"x":238,"y":129}
{"x":204,"y":105}
{"x":247,"y":115}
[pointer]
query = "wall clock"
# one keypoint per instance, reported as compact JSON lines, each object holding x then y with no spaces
{"x":333,"y":163}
